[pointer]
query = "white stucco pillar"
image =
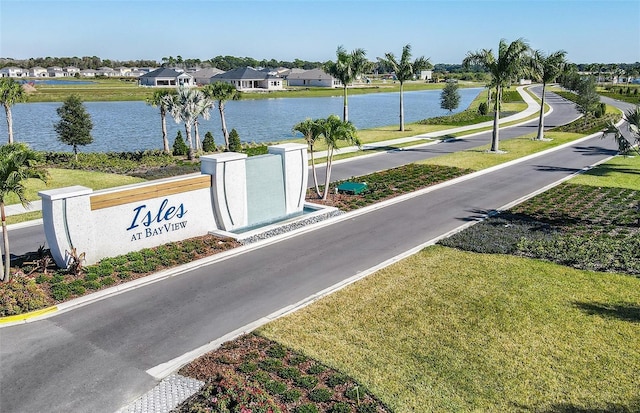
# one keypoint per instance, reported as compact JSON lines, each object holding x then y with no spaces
{"x":294,"y":166}
{"x":229,"y":188}
{"x":66,"y":214}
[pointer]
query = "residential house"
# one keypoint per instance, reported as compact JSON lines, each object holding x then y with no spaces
{"x":426,"y":75}
{"x":164,"y":77}
{"x":55,"y":71}
{"x":203,"y":76}
{"x":88,"y":73}
{"x":13,"y":71}
{"x":37,"y":71}
{"x":249,"y":79}
{"x":313,"y":77}
{"x":106,"y":72}
{"x":71,"y":71}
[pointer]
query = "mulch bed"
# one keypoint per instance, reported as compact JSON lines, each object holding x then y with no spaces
{"x":262,"y":363}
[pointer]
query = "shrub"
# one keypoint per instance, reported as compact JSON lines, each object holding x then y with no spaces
{"x":277,"y":351}
{"x":320,"y":395}
{"x":234,"y":141}
{"x":21,"y":295}
{"x":336,"y":380}
{"x":289,"y":373}
{"x":275,"y":387}
{"x":179,"y":147}
{"x":291,"y":395}
{"x":271,"y":364}
{"x":306,"y":382}
{"x":230,"y":393}
{"x":483,"y":109}
{"x":367,"y":408}
{"x":76,"y":287}
{"x":316,"y":368}
{"x":306,"y":408}
{"x":208,"y":143}
{"x":107,"y":281}
{"x":247,"y":367}
{"x":356,"y":393}
{"x":60,"y":291}
{"x":340,"y":407}
{"x":297,"y":359}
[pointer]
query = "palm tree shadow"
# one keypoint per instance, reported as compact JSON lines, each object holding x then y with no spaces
{"x":609,"y":408}
{"x":625,"y":312}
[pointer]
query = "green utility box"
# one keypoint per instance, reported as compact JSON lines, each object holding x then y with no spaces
{"x":353,"y":188}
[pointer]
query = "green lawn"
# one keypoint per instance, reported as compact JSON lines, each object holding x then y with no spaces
{"x":478,"y":158}
{"x":447,"y":330}
{"x":619,"y":172}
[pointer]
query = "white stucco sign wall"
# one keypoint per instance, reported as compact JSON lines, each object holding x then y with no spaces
{"x":120,"y":220}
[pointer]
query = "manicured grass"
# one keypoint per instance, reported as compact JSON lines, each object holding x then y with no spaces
{"x":29,"y":216}
{"x":478,"y":158}
{"x":619,"y":172}
{"x":447,"y":330}
{"x":59,"y":178}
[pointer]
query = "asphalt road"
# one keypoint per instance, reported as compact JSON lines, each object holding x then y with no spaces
{"x":93,"y":359}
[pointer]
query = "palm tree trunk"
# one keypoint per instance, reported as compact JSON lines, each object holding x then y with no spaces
{"x":197,"y":135}
{"x":496,"y":122}
{"x":541,"y":120}
{"x":165,"y":140}
{"x":6,"y":265}
{"x":7,"y":110}
{"x":315,"y":174}
{"x":327,"y":174}
{"x":401,"y":107}
{"x":345,"y":106}
{"x":188,"y":132}
{"x":224,"y":126}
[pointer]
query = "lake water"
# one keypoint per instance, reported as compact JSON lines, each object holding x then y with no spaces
{"x":131,"y":126}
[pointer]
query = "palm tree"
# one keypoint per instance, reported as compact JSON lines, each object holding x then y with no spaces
{"x":222,"y":92}
{"x":311,"y":131}
{"x":186,"y":106}
{"x":205,"y":106}
{"x":508,"y":64}
{"x":405,"y":70}
{"x":157,"y":100}
{"x":11,"y":92}
{"x":333,"y":130}
{"x":346,"y":68}
{"x":17,"y":164}
{"x":546,"y":69}
{"x":625,"y":145}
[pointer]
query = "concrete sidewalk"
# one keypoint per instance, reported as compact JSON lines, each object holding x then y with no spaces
{"x":532,"y":108}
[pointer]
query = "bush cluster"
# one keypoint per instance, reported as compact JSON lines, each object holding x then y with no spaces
{"x":21,"y":295}
{"x":111,"y":162}
{"x":581,"y":226}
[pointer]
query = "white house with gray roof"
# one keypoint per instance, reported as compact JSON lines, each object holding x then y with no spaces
{"x":313,"y":78}
{"x":249,"y":79}
{"x":164,"y":77}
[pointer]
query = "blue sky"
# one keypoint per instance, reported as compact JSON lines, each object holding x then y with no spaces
{"x":444,"y":31}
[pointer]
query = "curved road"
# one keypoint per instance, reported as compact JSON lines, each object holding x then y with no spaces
{"x":95,"y":358}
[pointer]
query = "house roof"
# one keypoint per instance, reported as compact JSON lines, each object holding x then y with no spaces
{"x":310,"y":75}
{"x":207,"y":72}
{"x":245,"y":73}
{"x":162,"y":72}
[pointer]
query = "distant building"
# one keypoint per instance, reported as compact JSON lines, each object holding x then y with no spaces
{"x":313,"y":78}
{"x":13,"y":72}
{"x":203,"y":76}
{"x":164,"y":77}
{"x":249,"y":79}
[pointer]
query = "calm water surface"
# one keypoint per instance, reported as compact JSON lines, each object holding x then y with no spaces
{"x":131,"y":126}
